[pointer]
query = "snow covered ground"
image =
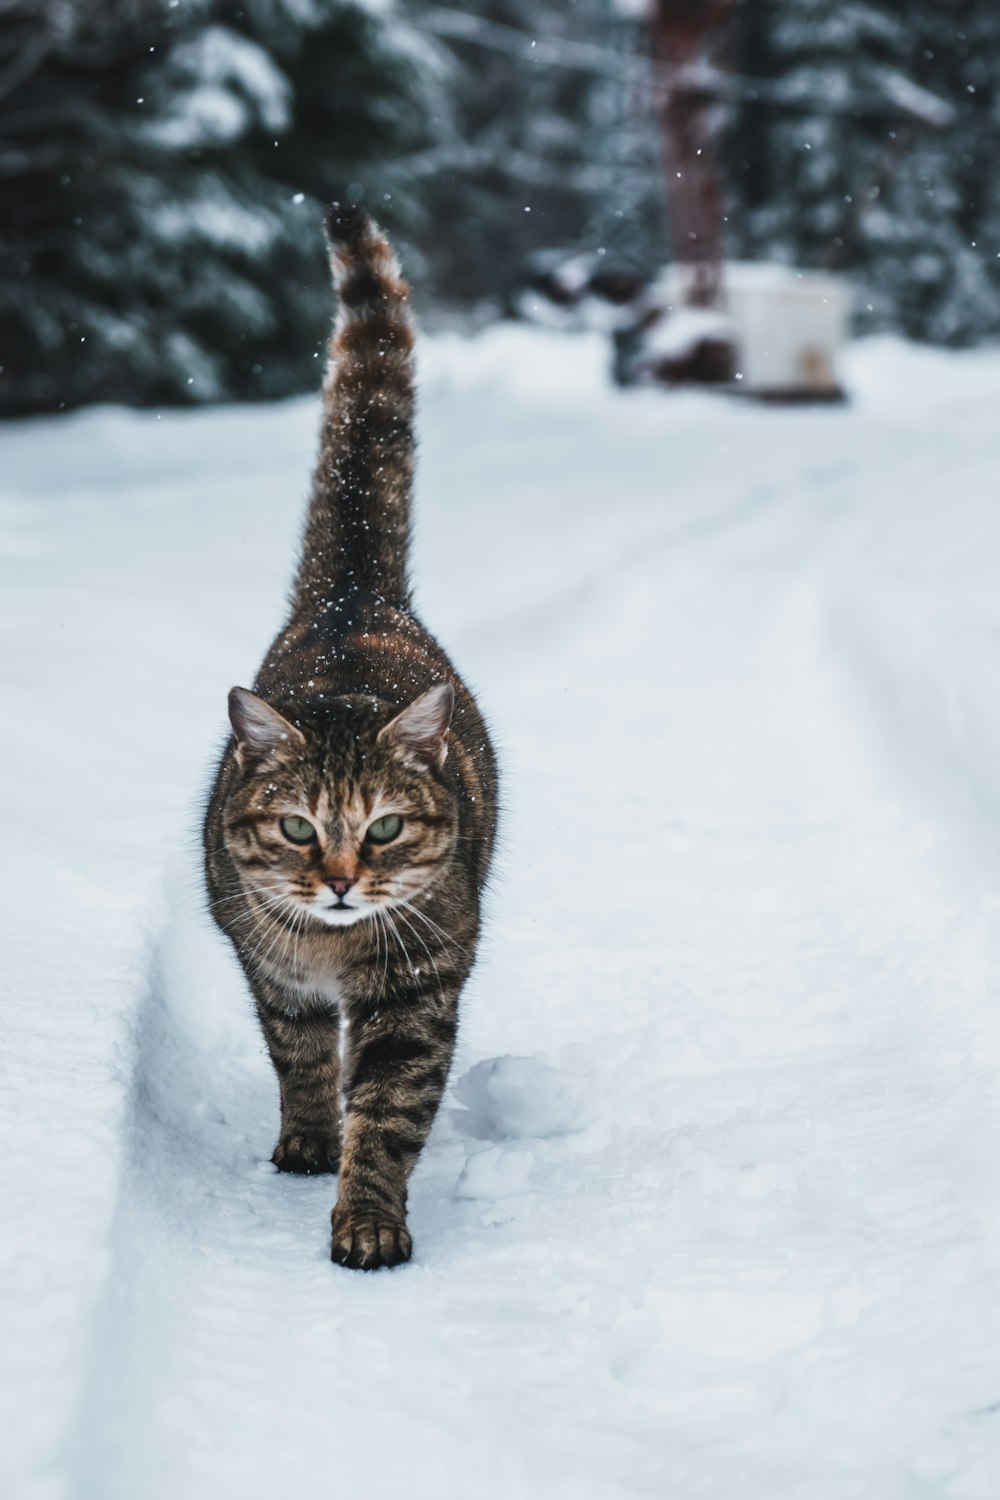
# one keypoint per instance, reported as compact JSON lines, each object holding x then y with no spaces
{"x":713,"y":1209}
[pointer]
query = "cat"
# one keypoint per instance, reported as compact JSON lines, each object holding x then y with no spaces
{"x":350,"y":830}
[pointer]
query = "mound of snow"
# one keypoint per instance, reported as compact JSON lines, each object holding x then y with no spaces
{"x":521,"y":1098}
{"x":496,"y":1173}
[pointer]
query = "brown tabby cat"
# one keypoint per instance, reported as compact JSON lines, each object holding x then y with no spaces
{"x":350,"y":830}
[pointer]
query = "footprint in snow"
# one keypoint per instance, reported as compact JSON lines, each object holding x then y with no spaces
{"x":510,"y":1099}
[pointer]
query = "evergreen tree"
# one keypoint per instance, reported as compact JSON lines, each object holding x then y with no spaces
{"x":159,"y":230}
{"x":851,"y":161}
{"x":535,"y":153}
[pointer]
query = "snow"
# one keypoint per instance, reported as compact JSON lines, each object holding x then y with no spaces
{"x":235,"y":86}
{"x":711,"y":1208}
{"x":915,"y":100}
{"x":678,"y":334}
{"x":507,"y":1098}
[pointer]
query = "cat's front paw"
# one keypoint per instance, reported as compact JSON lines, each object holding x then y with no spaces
{"x":366,"y":1244}
{"x":307,"y":1153}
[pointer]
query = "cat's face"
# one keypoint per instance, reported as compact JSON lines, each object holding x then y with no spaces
{"x":328,"y":826}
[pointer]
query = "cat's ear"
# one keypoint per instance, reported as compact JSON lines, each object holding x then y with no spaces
{"x":420,"y":733}
{"x":259,"y":729}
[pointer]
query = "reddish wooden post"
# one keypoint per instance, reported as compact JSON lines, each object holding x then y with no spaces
{"x":680,"y":31}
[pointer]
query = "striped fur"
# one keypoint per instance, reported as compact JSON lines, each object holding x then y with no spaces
{"x":357,"y":714}
{"x":358,"y":530}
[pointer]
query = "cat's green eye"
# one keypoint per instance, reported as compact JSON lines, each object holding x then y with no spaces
{"x":298,"y":830}
{"x":384,"y":830}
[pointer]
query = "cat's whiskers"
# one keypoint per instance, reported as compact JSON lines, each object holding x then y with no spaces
{"x":278,"y":932}
{"x":275,"y":930}
{"x":260,"y":952}
{"x":198,"y":893}
{"x":433,"y":926}
{"x":385,"y":969}
{"x":298,"y":927}
{"x":251,"y":915}
{"x":383,"y":934}
{"x":241,"y":895}
{"x":399,"y":938}
{"x":378,"y":939}
{"x":430,"y":957}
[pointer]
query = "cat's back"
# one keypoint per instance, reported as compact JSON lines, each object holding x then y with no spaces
{"x":356,"y":648}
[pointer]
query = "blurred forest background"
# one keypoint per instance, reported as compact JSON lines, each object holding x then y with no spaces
{"x":163,"y":162}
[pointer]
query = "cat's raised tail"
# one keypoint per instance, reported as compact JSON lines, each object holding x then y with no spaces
{"x":358,"y":527}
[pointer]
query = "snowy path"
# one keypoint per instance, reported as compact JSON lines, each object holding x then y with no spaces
{"x":713,"y":1208}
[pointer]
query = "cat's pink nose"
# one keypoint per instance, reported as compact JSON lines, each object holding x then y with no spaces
{"x":340,"y":886}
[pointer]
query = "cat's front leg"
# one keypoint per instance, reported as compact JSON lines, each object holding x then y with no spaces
{"x":305,"y":1051}
{"x":397,"y":1067}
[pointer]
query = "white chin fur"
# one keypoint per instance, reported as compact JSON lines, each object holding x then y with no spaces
{"x":340,"y":916}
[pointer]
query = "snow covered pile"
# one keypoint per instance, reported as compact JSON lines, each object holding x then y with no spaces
{"x":711,"y":1208}
{"x":508,"y":1098}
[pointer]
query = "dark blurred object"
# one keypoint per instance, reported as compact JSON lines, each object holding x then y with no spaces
{"x":159,"y":236}
{"x":576,"y":291}
{"x":653,"y":341}
{"x":674,"y":347}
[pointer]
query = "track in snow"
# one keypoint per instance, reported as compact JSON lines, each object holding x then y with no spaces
{"x":711,"y":1210}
